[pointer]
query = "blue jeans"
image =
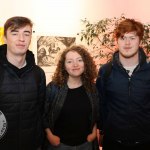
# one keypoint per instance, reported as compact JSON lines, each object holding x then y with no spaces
{"x":61,"y":146}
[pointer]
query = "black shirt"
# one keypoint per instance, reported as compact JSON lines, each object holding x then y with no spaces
{"x":73,"y":124}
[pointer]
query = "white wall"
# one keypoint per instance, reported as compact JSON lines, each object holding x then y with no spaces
{"x":63,"y":17}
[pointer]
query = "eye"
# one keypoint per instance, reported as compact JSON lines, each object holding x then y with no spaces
{"x":27,"y":34}
{"x":132,"y":38}
{"x":80,"y":60}
{"x":14,"y":33}
{"x":68,"y":61}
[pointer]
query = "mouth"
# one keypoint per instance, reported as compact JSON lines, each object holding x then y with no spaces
{"x":127,"y":47}
{"x":76,"y":69}
{"x":20,"y":45}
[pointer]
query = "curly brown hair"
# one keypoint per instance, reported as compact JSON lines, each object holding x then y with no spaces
{"x":90,"y":72}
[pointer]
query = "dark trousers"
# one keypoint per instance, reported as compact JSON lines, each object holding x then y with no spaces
{"x":117,"y":145}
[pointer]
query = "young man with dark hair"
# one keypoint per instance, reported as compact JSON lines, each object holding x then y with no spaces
{"x":22,"y":88}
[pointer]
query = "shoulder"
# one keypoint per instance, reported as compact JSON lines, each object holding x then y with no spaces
{"x":3,"y":50}
{"x":39,"y":71}
{"x":106,"y":68}
{"x":104,"y":73}
{"x":39,"y":75}
{"x":51,"y":90}
{"x":3,"y":47}
{"x":51,"y":85}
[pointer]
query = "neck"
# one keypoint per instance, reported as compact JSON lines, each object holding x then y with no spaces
{"x":128,"y":62}
{"x":74,"y":82}
{"x":18,"y":61}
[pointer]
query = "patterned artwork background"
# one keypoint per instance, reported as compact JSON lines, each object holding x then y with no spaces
{"x":49,"y":49}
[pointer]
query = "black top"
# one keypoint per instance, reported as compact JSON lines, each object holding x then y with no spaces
{"x":73,"y":124}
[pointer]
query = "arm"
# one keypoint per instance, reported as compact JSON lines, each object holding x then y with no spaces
{"x":92,"y":135}
{"x":41,"y":90}
{"x":51,"y":91}
{"x":100,"y":88}
{"x":53,"y":139}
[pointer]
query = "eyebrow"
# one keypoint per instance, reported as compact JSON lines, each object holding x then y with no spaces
{"x":130,"y":36}
{"x":72,"y":58}
{"x":15,"y":30}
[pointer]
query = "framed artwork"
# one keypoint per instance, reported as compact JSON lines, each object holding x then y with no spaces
{"x":49,"y":49}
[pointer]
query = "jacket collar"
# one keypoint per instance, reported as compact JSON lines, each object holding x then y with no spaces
{"x":3,"y":50}
{"x":142,"y":57}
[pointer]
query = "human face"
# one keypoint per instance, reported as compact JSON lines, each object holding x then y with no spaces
{"x":74,"y":64}
{"x":128,"y":45}
{"x":18,"y":40}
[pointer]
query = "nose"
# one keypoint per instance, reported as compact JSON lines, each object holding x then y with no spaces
{"x":21,"y":37}
{"x":75,"y":63}
{"x":127,"y":41}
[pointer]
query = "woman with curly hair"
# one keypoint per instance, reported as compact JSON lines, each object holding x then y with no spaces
{"x":71,"y":111}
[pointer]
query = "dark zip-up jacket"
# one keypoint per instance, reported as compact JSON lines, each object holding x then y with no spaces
{"x":125,"y":101}
{"x":22,"y":102}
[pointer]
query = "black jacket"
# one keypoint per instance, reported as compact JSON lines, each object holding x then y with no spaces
{"x":55,"y":98}
{"x":21,"y":101}
{"x":125,"y":101}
